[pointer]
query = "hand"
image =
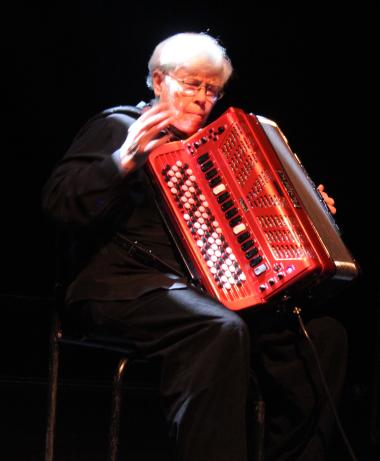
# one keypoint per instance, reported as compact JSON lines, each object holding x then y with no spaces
{"x":330,"y":202}
{"x":142,"y":136}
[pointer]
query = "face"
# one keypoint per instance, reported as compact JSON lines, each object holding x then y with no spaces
{"x":193,"y":107}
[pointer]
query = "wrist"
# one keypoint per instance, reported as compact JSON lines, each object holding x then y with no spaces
{"x":125,"y":161}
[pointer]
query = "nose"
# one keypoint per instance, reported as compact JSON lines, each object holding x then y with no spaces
{"x":200,"y":96}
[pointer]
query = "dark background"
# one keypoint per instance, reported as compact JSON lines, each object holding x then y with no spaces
{"x":310,"y":71}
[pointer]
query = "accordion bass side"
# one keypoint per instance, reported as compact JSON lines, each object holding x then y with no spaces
{"x":247,"y":218}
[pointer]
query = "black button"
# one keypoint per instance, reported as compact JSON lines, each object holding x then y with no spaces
{"x":256,"y":261}
{"x":247,"y":245}
{"x":203,"y":158}
{"x":206,"y":166}
{"x":227,"y":205}
{"x":243,"y":237}
{"x":223,"y":197}
{"x":251,"y":253}
{"x":231,"y":213}
{"x":214,"y":182}
{"x":210,"y":174}
{"x":235,"y":221}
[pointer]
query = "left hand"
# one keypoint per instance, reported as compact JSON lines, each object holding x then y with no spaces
{"x":330,"y":202}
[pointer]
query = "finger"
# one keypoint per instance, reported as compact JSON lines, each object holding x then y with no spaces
{"x":139,"y":128}
{"x":155,"y":110}
{"x":327,"y":198}
{"x":157,"y":142}
{"x":330,"y":202}
{"x":152,"y":133}
{"x":141,"y":143}
{"x":147,"y":120}
{"x":138,"y":158}
{"x":332,"y":209}
{"x":159,"y":107}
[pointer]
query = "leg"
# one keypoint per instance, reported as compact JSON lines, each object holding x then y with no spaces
{"x":204,"y":351}
{"x":299,"y":418}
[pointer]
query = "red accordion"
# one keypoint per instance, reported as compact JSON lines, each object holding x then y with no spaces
{"x":249,"y":220}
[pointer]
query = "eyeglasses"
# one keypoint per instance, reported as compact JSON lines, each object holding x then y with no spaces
{"x":191,"y":86}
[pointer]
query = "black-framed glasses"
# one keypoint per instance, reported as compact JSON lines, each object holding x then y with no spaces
{"x":191,"y":86}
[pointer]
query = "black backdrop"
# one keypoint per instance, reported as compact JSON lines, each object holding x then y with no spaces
{"x":310,"y":71}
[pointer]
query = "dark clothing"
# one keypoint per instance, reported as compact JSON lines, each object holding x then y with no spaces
{"x":299,"y":418}
{"x":203,"y":349}
{"x":91,"y":200}
{"x":206,"y":351}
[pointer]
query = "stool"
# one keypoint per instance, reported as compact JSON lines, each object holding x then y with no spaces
{"x":128,"y":356}
{"x":256,"y":403}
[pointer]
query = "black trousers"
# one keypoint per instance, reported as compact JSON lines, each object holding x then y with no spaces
{"x":207,"y":353}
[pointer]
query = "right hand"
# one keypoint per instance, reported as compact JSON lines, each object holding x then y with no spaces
{"x":142,"y":136}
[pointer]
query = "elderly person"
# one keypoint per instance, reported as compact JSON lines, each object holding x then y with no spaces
{"x":99,"y":196}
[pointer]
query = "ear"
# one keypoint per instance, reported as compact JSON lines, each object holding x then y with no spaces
{"x":158,"y":78}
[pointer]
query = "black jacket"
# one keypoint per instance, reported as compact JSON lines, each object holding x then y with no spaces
{"x":97,"y":209}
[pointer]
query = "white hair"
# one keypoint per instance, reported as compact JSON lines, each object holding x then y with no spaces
{"x":187,"y":50}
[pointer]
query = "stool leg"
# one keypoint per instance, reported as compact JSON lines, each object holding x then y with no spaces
{"x":52,"y":389}
{"x":258,"y":406}
{"x":116,"y":406}
{"x":259,"y":430}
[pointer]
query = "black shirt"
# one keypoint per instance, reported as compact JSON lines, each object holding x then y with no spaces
{"x":95,"y":206}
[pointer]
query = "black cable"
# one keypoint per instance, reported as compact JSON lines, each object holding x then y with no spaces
{"x":297,"y":311}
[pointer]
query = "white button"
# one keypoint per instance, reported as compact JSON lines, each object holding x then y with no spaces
{"x":218,"y":189}
{"x":239,"y":228}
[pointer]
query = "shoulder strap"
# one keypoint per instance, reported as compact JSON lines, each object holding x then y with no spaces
{"x":132,"y":111}
{"x":127,"y":110}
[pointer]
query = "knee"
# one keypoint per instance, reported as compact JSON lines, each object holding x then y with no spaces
{"x":234,"y":323}
{"x":232,"y":330}
{"x":226,"y":352}
{"x":337,"y":331}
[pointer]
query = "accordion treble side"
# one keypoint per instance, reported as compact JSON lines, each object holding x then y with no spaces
{"x":248,"y":219}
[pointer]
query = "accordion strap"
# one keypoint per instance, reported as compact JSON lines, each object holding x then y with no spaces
{"x":143,"y":254}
